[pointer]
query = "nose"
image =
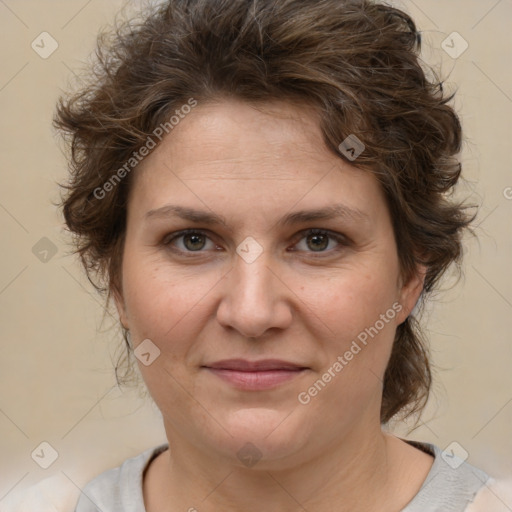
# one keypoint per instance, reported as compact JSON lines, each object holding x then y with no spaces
{"x":254,"y":298}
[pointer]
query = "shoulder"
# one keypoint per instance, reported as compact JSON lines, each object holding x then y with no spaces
{"x":55,"y":493}
{"x":495,"y":496}
{"x":451,"y":484}
{"x":118,"y":488}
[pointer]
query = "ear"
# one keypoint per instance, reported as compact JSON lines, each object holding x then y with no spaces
{"x":120,"y":305}
{"x":410,"y":291}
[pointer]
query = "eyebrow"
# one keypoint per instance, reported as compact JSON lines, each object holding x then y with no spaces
{"x":211,"y":218}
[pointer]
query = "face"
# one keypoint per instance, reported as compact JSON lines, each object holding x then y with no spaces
{"x":322,"y":294}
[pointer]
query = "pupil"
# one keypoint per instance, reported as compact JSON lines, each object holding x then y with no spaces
{"x":195,"y":238}
{"x":316,"y":237}
{"x":312,"y":238}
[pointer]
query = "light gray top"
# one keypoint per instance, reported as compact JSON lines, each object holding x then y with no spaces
{"x":450,"y":486}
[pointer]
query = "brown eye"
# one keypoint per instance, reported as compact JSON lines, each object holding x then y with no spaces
{"x":188,"y":241}
{"x":318,"y":241}
{"x":194,"y":241}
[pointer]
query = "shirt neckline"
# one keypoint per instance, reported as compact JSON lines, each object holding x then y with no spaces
{"x":417,"y":500}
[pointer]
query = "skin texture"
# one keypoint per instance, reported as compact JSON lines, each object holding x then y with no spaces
{"x":302,"y":300}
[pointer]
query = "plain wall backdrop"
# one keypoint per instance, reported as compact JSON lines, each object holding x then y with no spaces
{"x":56,"y":371}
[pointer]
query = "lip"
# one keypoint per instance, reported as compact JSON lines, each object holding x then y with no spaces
{"x":255,"y":375}
{"x":243,"y":365}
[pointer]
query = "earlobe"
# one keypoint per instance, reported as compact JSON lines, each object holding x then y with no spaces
{"x":119,"y":302}
{"x":410,"y":292}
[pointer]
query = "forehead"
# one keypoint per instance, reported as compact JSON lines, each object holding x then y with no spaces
{"x":240,"y":153}
{"x":263,"y":136}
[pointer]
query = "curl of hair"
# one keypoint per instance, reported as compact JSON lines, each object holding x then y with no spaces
{"x":357,"y":62}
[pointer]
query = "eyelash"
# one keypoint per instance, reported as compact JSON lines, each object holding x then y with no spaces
{"x":341,"y":239}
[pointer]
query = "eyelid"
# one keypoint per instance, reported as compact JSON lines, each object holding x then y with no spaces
{"x":340,"y":238}
{"x":169,"y":238}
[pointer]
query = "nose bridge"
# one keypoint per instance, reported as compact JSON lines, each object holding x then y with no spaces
{"x":251,"y":285}
{"x":250,"y":301}
{"x":251,"y":264}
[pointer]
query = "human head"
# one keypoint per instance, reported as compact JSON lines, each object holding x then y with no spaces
{"x":355,"y":62}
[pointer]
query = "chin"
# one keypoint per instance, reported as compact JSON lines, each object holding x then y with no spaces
{"x":269,"y":436}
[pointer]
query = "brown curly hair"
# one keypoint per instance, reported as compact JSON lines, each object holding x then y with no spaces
{"x":357,"y":62}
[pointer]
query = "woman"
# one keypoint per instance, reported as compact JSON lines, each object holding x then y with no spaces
{"x":261,"y":188}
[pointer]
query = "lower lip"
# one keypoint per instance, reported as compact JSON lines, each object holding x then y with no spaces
{"x":256,"y":380}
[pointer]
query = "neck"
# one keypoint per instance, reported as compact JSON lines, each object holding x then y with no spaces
{"x":354,"y":474}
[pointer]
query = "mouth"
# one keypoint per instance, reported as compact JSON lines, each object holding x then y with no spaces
{"x":255,"y":375}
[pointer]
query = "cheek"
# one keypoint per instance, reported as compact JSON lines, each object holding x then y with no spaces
{"x":360,"y":314}
{"x":159,"y":299}
{"x":360,"y":311}
{"x":165,"y":308}
{"x":354,"y":300}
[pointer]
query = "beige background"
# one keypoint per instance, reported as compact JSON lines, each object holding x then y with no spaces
{"x":56,"y":374}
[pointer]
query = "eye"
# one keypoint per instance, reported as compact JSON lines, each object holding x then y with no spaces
{"x":194,"y":241}
{"x":318,"y":240}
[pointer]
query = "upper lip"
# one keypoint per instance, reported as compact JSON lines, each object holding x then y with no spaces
{"x":254,"y":366}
